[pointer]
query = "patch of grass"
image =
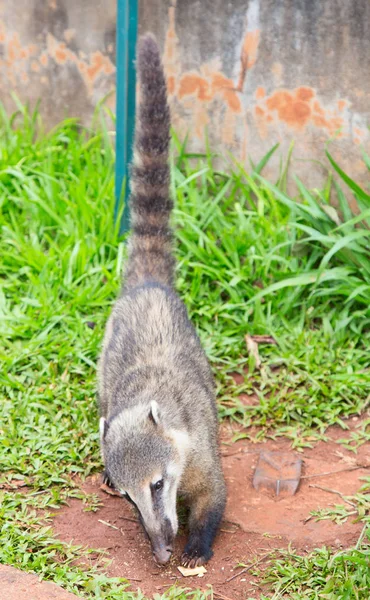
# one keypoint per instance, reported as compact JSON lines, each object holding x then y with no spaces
{"x":251,"y":259}
{"x":358,"y":437}
{"x":27,"y":542}
{"x":357,"y":506}
{"x":343,"y":575}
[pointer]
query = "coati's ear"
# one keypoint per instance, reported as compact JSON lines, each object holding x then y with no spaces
{"x":103,"y":428}
{"x":154,"y":414}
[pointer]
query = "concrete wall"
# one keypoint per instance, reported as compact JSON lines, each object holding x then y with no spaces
{"x":254,"y":72}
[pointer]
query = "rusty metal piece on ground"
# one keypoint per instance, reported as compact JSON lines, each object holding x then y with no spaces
{"x":278,"y":472}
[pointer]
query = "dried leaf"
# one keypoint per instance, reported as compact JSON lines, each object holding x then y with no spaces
{"x":252,"y":348}
{"x":332,"y":213}
{"x":263,"y":339}
{"x":109,"y":490}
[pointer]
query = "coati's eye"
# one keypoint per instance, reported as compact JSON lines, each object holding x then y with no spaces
{"x":159,"y":485}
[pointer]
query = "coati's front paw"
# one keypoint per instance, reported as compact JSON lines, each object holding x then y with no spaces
{"x":195,"y":557}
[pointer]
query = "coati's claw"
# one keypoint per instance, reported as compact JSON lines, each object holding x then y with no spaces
{"x":106,"y":480}
{"x":190,"y":560}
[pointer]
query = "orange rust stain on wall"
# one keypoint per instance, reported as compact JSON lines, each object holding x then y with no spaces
{"x":208,"y":83}
{"x":318,"y":110}
{"x":225,"y":87}
{"x":319,"y":121}
{"x":359,"y":135}
{"x":35,"y":66}
{"x":15,"y":66}
{"x":194,"y":84}
{"x":89,"y":71}
{"x":99,"y":63}
{"x":233,"y":101}
{"x":297,"y":108}
{"x":13,"y":48}
{"x":170,"y":84}
{"x":21,"y":61}
{"x":61,"y":54}
{"x":248,"y":56}
{"x":305,"y":94}
{"x":250,"y":47}
{"x":171,"y":58}
{"x":43,"y":59}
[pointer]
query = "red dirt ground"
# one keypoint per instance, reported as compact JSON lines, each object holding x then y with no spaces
{"x":254,"y":524}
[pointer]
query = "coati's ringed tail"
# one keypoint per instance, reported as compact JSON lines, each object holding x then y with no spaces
{"x":150,"y":247}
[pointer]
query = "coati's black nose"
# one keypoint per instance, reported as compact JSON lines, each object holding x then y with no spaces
{"x":162,"y":555}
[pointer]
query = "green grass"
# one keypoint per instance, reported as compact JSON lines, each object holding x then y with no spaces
{"x":251,"y":259}
{"x":322,"y":575}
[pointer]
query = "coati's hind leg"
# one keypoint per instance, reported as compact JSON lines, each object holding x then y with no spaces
{"x":206,"y":513}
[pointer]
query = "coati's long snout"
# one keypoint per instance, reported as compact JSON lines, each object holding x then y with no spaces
{"x":162,"y":541}
{"x":157,"y":515}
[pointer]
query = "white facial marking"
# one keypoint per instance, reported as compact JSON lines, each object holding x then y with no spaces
{"x":175,"y":470}
{"x":145,"y":505}
{"x":169,"y":495}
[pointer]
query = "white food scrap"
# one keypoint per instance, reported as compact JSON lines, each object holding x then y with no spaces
{"x":199,"y":571}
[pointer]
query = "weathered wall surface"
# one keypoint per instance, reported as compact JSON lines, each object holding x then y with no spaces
{"x":59,"y":51}
{"x":254,"y":72}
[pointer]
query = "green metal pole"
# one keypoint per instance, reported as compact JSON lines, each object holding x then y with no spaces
{"x":127,"y":20}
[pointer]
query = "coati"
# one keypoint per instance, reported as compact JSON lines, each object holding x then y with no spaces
{"x":156,"y":391}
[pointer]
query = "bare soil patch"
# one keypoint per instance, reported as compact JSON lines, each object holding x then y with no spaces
{"x":255,"y":522}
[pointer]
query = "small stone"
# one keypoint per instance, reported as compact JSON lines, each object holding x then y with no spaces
{"x":17,"y":585}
